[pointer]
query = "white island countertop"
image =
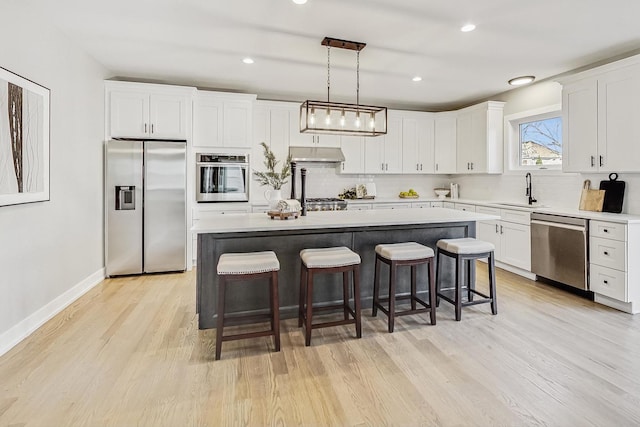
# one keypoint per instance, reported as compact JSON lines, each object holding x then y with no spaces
{"x":252,"y":222}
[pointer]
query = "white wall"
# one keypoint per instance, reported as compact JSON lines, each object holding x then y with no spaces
{"x":51,"y":252}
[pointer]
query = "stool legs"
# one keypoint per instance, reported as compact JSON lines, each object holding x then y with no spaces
{"x":376,"y":289}
{"x":492,"y":284}
{"x":275,"y":310}
{"x":356,"y":300}
{"x":458,"y":295}
{"x":390,"y":310}
{"x":432,"y":294}
{"x":309,"y":316}
{"x":220,"y":324}
{"x":465,"y":270}
{"x":306,"y":301}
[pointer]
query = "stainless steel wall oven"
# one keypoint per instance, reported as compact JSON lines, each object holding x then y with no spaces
{"x":222,"y":177}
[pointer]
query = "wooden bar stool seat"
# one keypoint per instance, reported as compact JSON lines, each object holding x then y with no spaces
{"x":465,"y":251}
{"x":329,"y":260}
{"x":403,"y":254}
{"x":248,"y":266}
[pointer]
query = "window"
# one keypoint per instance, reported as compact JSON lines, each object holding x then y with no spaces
{"x":535,"y":139}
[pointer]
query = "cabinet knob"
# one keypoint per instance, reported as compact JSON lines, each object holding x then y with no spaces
{"x":606,"y":253}
{"x":417,"y":166}
{"x":145,"y":128}
{"x":496,"y":228}
{"x":151,"y":127}
{"x":436,"y":166}
{"x":605,"y":230}
{"x":501,"y":230}
{"x":420,"y":166}
{"x":606,"y":282}
{"x":601,"y":161}
{"x":593,"y":161}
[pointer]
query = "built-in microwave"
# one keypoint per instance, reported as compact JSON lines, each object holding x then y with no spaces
{"x":222,"y":177}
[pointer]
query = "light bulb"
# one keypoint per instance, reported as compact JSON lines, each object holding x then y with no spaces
{"x":372,"y":122}
{"x":357,"y":122}
{"x":312,"y":116}
{"x":342,"y":119}
{"x":327,"y":119}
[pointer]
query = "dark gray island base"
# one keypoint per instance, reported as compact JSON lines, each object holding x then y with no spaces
{"x":287,"y":244}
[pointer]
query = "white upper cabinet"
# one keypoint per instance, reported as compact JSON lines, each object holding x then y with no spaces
{"x":223,"y":120}
{"x":299,"y":139}
{"x":444,"y":152}
{"x":580,"y":126}
{"x":271,"y":125}
{"x":383,"y":154}
{"x":479,"y":135}
{"x":139,"y":110}
{"x":600,"y":109}
{"x":417,"y":143}
{"x":353,"y":149}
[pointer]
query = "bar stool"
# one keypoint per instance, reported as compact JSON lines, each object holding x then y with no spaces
{"x":248,"y":266}
{"x":329,"y":260}
{"x":399,"y":254}
{"x":467,"y":249}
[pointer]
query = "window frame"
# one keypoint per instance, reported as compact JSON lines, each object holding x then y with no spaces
{"x":512,"y":124}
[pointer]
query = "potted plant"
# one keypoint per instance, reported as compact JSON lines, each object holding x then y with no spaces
{"x":271,"y":178}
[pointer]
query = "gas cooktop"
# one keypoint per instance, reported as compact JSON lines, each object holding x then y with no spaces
{"x":326,"y":204}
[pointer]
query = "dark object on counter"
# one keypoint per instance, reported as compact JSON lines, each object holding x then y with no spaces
{"x":293,"y":180}
{"x":614,"y":194}
{"x":303,"y":185}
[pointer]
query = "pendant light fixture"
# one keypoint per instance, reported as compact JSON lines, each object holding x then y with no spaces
{"x":336,"y":118}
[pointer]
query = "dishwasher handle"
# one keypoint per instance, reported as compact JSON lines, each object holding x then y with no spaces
{"x":559,"y":225}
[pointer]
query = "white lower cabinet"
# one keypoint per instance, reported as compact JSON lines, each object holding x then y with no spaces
{"x":614,"y":277}
{"x":511,"y":235}
{"x":359,"y":206}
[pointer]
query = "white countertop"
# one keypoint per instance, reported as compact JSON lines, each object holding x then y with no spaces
{"x":335,"y":219}
{"x":601,"y":216}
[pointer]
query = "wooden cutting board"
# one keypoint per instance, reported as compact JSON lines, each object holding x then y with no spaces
{"x":591,"y":200}
{"x":614,"y":194}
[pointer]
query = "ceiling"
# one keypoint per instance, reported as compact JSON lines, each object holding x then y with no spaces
{"x":202,"y":43}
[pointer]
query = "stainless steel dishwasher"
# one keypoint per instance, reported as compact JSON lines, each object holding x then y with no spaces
{"x":559,"y":249}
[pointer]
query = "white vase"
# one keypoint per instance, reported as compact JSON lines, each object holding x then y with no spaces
{"x":273,"y":197}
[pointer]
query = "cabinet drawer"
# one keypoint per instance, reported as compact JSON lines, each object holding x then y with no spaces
{"x":608,"y":230}
{"x":437,"y":204}
{"x":609,"y":282}
{"x":391,"y":206}
{"x":608,"y":253}
{"x":359,"y":206}
{"x":421,"y":205}
{"x":488,"y":211}
{"x":519,"y":217}
{"x":465,"y":207}
{"x":448,"y":205}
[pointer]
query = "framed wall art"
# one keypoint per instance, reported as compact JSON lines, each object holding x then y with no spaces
{"x":24,"y":140}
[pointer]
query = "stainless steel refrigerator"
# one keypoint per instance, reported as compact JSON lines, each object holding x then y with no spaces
{"x":145,"y":203}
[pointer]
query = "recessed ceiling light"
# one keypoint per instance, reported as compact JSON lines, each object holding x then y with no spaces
{"x":467,"y":28}
{"x":248,"y":60}
{"x":299,"y":1}
{"x":522,"y":80}
{"x":417,"y":79}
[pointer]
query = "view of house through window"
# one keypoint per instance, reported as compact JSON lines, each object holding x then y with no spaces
{"x":541,"y":142}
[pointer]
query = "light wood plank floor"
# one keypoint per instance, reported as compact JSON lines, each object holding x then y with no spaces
{"x":130,"y":353}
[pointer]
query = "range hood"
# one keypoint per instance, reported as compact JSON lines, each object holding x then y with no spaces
{"x":316,"y":154}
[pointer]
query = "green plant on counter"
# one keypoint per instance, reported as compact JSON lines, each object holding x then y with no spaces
{"x":272,"y":178}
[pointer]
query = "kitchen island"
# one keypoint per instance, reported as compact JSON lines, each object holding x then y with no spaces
{"x":360,"y":231}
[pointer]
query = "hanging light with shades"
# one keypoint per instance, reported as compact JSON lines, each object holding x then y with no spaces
{"x":326,"y":117}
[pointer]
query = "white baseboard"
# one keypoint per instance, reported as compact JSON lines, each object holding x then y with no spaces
{"x":627,"y":307}
{"x":26,"y":327}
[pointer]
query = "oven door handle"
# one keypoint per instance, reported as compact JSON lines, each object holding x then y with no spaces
{"x":559,"y":225}
{"x":242,"y":165}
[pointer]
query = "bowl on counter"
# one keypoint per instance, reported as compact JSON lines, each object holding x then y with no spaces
{"x":441,"y":192}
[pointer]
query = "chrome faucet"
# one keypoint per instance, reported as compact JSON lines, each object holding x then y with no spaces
{"x":529,"y":194}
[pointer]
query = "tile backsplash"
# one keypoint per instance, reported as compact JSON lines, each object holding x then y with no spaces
{"x":558,"y":190}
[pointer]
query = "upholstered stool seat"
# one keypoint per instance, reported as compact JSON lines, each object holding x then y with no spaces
{"x":465,"y":251}
{"x":408,"y":254}
{"x":329,"y":260}
{"x":248,"y":266}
